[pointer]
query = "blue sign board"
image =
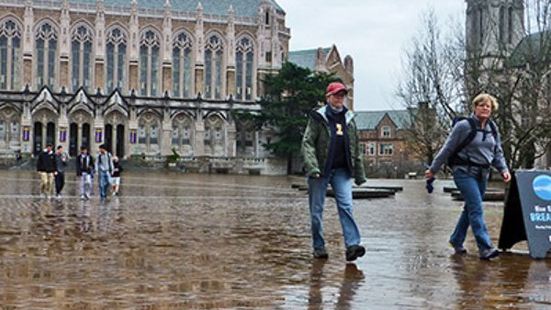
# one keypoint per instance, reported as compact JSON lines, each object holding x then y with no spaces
{"x":527,"y":214}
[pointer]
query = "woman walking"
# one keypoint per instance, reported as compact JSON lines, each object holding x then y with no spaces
{"x":473,"y":146}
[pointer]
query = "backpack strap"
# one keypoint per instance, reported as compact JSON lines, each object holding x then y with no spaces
{"x":454,"y":159}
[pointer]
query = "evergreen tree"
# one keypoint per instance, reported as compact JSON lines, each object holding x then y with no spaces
{"x":289,"y":96}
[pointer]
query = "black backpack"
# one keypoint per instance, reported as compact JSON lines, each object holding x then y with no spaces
{"x":456,"y":160}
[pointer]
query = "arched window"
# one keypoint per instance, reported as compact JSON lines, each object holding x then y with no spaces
{"x":182,"y":66}
{"x":481,"y":27}
{"x":214,"y":58}
{"x":245,"y":139}
{"x":46,"y":50}
{"x":510,"y":23}
{"x":182,"y":135}
{"x":502,"y":25}
{"x":82,"y":58}
{"x":115,"y":50}
{"x":148,"y":133}
{"x":244,"y":57}
{"x":214,"y":137}
{"x":150,"y":45}
{"x":10,"y":55}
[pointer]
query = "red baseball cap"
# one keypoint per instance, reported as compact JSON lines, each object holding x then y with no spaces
{"x":334,"y":88}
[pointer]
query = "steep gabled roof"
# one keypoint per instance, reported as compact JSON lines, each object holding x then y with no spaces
{"x":533,"y":48}
{"x":369,"y":120}
{"x":307,"y":58}
{"x":247,"y":8}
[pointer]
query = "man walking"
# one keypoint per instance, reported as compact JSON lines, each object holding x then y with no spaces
{"x":61,"y":159}
{"x":332,"y":156}
{"x":85,"y":164}
{"x":104,"y":167}
{"x":46,"y":167}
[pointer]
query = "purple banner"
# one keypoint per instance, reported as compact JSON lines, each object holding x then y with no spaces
{"x":133,"y":136}
{"x":26,"y":133}
{"x":62,"y":135}
{"x":99,"y":135}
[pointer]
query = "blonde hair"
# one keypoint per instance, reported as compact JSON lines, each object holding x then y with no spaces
{"x":483,"y":97}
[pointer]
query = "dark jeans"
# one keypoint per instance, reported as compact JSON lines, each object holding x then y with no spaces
{"x":59,"y":182}
{"x":473,"y":189}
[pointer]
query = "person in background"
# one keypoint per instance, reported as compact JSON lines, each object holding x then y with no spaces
{"x":471,"y":166}
{"x":104,"y":168}
{"x":46,"y":167}
{"x":332,"y":156}
{"x":61,"y":159}
{"x":116,"y":176}
{"x":84,"y":165}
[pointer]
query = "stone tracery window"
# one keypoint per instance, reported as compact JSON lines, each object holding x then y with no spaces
{"x":182,"y":67}
{"x":81,"y":58}
{"x":45,"y":51}
{"x":148,"y":133}
{"x":214,"y":136}
{"x":115,"y":51}
{"x":10,"y":54}
{"x":182,"y":135}
{"x":214,"y":67}
{"x":9,"y":127}
{"x":244,"y":61}
{"x":150,"y":46}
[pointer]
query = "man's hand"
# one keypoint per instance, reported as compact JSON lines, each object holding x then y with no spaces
{"x":506,"y":176}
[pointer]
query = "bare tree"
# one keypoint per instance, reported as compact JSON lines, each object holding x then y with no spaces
{"x":448,"y":72}
{"x":430,"y":89}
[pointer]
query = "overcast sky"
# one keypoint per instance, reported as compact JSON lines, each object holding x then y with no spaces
{"x":374,"y":32}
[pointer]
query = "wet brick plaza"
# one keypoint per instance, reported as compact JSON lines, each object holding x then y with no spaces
{"x":180,"y":241}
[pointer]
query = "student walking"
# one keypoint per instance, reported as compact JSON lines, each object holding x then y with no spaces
{"x":61,"y":159}
{"x":46,"y":167}
{"x":84,"y":165}
{"x":116,"y":176}
{"x":104,"y":167}
{"x":332,"y":156}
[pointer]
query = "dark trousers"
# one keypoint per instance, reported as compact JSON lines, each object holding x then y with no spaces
{"x":59,"y":182}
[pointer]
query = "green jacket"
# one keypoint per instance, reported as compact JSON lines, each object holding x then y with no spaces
{"x":316,"y":140}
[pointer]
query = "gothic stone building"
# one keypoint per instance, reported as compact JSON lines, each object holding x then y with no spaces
{"x":145,"y":77}
{"x":497,"y":38}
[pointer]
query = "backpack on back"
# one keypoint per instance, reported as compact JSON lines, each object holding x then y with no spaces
{"x":454,"y":159}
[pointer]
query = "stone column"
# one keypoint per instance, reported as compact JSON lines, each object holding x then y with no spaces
{"x":199,"y":135}
{"x":64,"y":49}
{"x":134,"y":32}
{"x":199,"y":70}
{"x":132,"y":132}
{"x":99,"y":81}
{"x":26,"y":125}
{"x":230,"y":80}
{"x":231,"y":140}
{"x":28,"y":45}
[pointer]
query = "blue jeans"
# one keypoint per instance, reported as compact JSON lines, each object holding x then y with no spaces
{"x":472,"y":189}
{"x":341,"y":182}
{"x":103,"y":183}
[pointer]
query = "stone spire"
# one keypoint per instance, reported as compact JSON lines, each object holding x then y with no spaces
{"x":134,"y":30}
{"x":199,"y":35}
{"x":28,"y":23}
{"x":65,"y":23}
{"x":230,"y":36}
{"x":167,"y":31}
{"x":100,"y":29}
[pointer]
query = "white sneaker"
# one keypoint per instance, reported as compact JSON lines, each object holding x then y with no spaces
{"x":82,"y":197}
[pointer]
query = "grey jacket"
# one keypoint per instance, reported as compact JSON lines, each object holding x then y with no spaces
{"x":483,"y":151}
{"x":61,"y":161}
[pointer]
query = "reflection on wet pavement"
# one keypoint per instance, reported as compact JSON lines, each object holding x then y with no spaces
{"x":174,"y":241}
